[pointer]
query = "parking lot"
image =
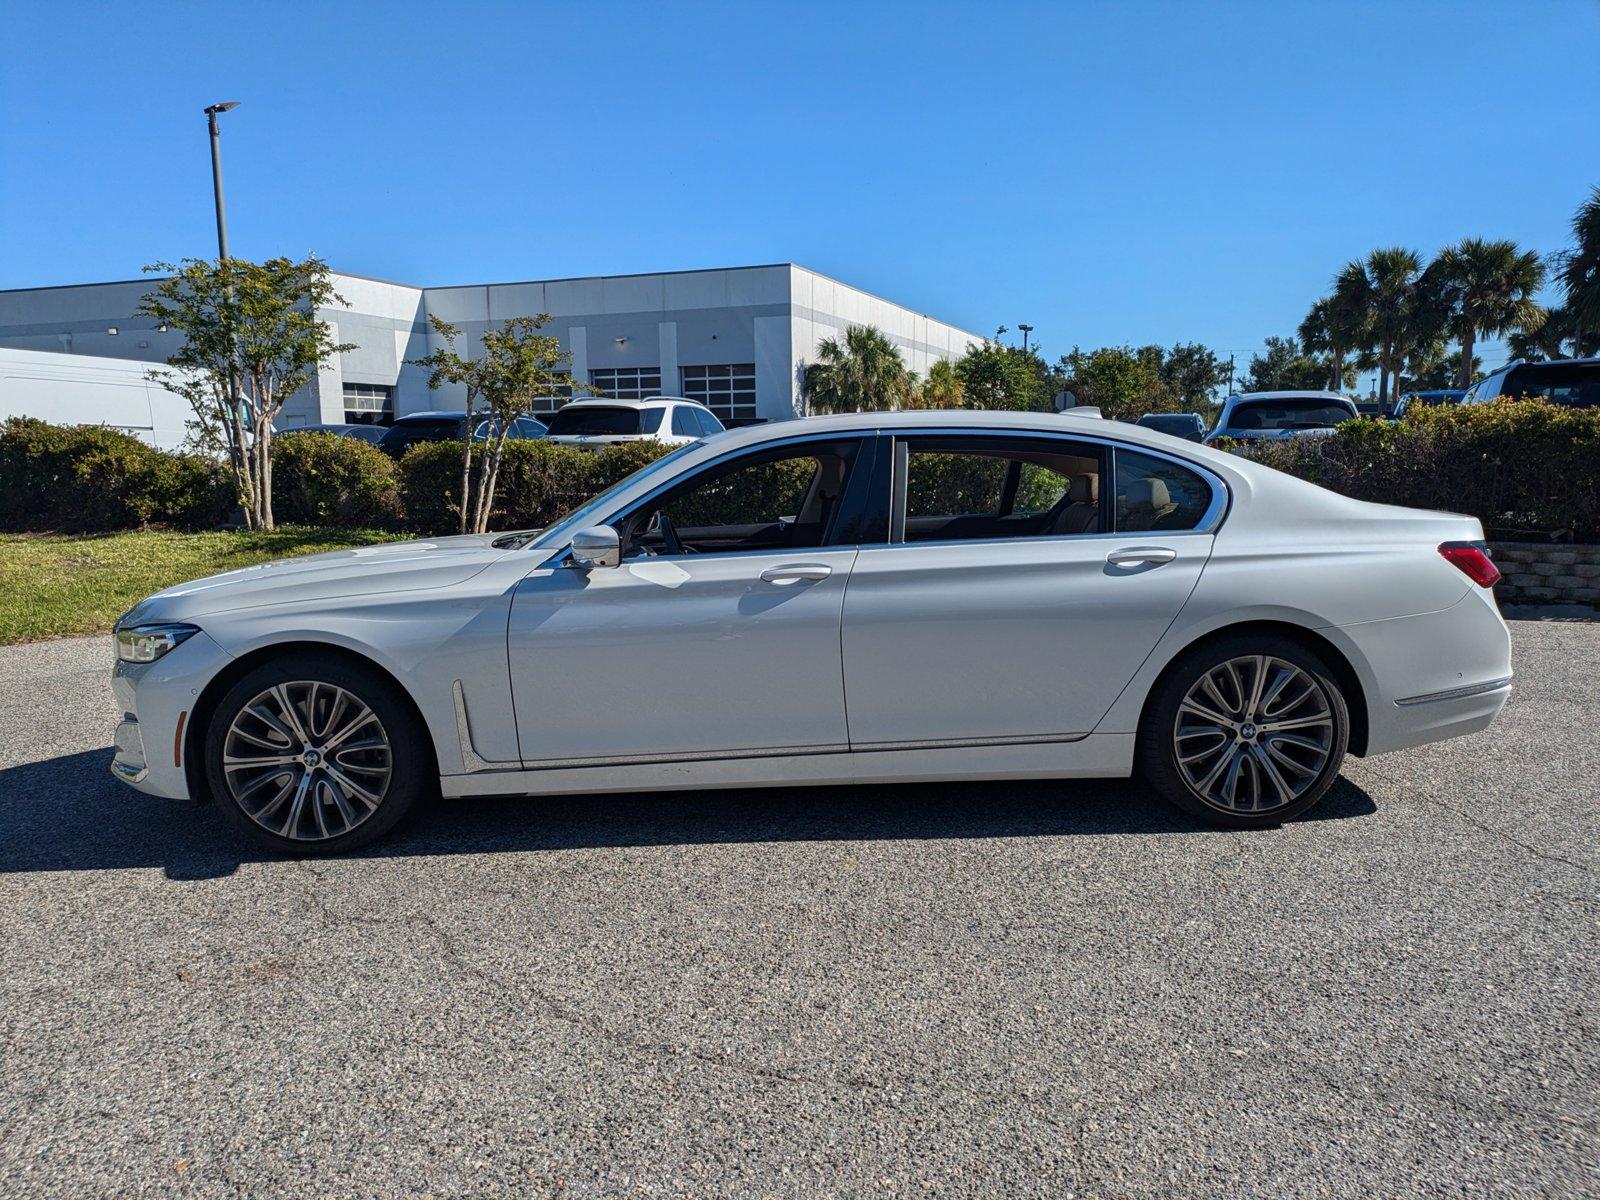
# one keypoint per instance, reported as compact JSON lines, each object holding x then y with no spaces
{"x":1018,"y":989}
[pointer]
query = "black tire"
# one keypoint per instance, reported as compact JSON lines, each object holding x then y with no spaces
{"x":407,"y":755}
{"x":1308,"y":772}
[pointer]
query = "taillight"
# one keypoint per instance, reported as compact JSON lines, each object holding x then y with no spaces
{"x":1472,"y":558}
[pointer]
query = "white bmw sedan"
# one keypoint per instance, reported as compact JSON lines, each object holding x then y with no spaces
{"x":841,"y":600}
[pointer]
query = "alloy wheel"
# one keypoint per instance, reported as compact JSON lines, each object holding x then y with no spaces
{"x":1253,"y":734}
{"x":307,"y":760}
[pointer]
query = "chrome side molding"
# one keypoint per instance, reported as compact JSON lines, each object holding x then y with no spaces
{"x":471,"y":760}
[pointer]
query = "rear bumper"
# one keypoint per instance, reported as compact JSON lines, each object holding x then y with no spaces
{"x":1435,"y":676}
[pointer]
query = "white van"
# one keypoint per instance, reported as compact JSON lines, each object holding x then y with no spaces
{"x":81,"y":389}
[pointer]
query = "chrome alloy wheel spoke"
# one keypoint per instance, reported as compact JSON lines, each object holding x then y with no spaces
{"x":307,"y":760}
{"x":1253,"y":734}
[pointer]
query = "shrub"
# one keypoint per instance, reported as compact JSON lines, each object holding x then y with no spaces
{"x":89,"y":478}
{"x":539,"y":481}
{"x":323,"y":479}
{"x":1525,"y":468}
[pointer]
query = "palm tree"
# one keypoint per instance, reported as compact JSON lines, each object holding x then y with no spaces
{"x":1336,"y":326}
{"x":1557,"y":337}
{"x":1486,"y":288}
{"x":942,"y":388}
{"x":1387,"y":288}
{"x":863,"y":372}
{"x":1580,"y":270}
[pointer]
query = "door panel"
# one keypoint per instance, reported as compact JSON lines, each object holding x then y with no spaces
{"x":681,"y":655}
{"x":1029,"y":637}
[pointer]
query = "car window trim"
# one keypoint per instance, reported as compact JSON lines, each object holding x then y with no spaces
{"x":560,"y":556}
{"x":1208,"y":524}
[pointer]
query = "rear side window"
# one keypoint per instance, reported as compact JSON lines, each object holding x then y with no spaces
{"x":684,"y":423}
{"x":708,"y":421}
{"x":1156,"y":493}
{"x":1576,"y":385}
{"x":982,"y":488}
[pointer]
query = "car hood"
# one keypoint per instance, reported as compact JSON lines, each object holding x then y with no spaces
{"x":390,"y":567}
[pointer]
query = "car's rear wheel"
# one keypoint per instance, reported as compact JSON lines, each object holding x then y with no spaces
{"x":1247,"y":732}
{"x":312,"y":756}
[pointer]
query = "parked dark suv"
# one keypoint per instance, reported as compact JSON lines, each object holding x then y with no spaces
{"x":1574,"y":382}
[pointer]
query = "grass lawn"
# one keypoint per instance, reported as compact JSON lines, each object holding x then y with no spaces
{"x":56,"y":585}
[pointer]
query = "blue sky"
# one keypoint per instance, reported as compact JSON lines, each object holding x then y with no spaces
{"x":1107,"y":172}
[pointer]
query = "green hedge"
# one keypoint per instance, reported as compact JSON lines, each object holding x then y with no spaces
{"x":323,"y":479}
{"x":86,"y":478}
{"x":1527,"y":469}
{"x":538,"y":481}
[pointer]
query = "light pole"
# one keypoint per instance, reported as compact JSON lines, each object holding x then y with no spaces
{"x":1026,"y":330}
{"x":216,"y":172}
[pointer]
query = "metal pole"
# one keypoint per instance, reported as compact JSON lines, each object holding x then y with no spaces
{"x":216,"y":182}
{"x":1026,"y":330}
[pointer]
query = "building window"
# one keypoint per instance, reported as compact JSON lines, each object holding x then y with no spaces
{"x":729,"y":391}
{"x":368,"y":404}
{"x":555,"y":398}
{"x":627,"y":383}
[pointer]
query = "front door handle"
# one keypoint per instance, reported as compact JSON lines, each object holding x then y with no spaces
{"x":1154,"y":555}
{"x":796,"y":573}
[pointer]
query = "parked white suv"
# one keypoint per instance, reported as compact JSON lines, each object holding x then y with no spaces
{"x":1274,"y":416}
{"x":669,"y":419}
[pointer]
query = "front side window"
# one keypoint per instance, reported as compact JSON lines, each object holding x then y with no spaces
{"x":1157,"y":494}
{"x":961,"y":489}
{"x":785,"y":499}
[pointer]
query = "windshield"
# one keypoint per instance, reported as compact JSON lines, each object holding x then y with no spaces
{"x":1288,"y":414}
{"x":1166,"y":424}
{"x":599,"y":420}
{"x":587,"y":513}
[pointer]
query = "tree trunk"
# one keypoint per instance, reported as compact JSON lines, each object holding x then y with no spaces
{"x":264,"y":471}
{"x":466,"y":467}
{"x":1469,"y":336}
{"x":1383,"y":382}
{"x":1338,"y":370}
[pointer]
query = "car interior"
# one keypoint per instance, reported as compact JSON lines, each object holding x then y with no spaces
{"x":957,"y":493}
{"x":787,"y":499}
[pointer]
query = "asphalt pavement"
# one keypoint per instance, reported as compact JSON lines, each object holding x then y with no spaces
{"x":988,"y":989}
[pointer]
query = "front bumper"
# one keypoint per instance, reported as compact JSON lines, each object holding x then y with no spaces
{"x":156,"y":700}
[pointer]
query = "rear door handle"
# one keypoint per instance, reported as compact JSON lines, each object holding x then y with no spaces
{"x":1155,"y":555}
{"x":796,"y":573}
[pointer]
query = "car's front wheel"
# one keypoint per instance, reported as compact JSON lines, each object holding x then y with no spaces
{"x":314,"y":756}
{"x":1247,"y":732}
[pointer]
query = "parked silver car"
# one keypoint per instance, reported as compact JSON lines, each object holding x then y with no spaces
{"x":875,"y":597}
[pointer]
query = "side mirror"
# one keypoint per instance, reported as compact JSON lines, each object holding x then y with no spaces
{"x":596,"y":546}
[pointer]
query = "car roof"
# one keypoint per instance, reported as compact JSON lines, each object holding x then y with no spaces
{"x":647,"y":402}
{"x":1289,"y":395}
{"x":436,"y":414}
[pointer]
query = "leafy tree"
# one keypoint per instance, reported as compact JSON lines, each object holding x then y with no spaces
{"x":1194,"y":374}
{"x":995,"y":375}
{"x":1338,"y":329}
{"x":863,"y":372}
{"x":1557,"y":337}
{"x":1439,"y":373}
{"x":1580,"y":270}
{"x":1119,"y":380}
{"x":252,"y":338}
{"x":1486,"y":288}
{"x":942,"y":388}
{"x":1399,"y":309}
{"x":1285,"y":366}
{"x":518,"y":365}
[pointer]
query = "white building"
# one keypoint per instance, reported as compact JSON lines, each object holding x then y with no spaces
{"x":737,"y":339}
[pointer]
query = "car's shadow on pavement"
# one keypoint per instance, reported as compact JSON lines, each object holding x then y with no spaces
{"x":68,"y":814}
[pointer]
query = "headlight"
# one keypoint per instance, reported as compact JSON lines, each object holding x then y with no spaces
{"x":146,"y":643}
